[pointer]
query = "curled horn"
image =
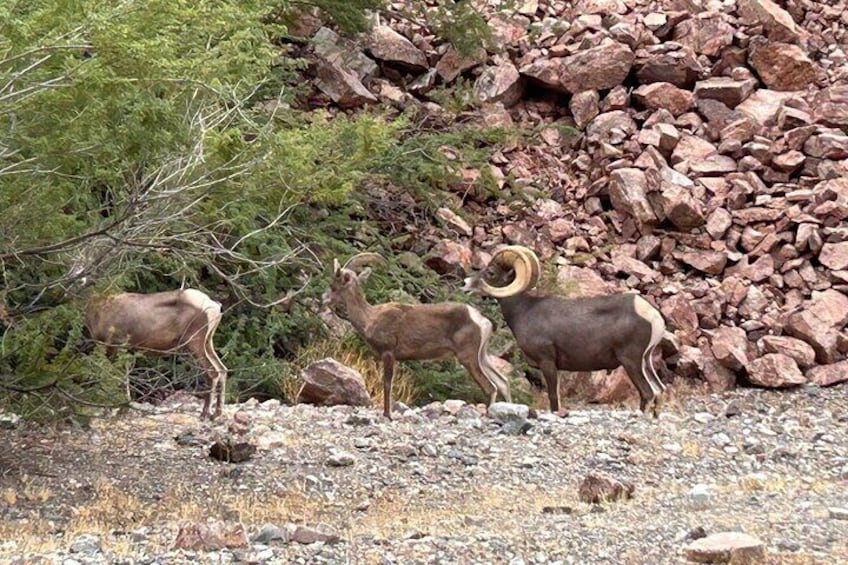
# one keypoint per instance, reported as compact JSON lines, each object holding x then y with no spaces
{"x":526,"y":266}
{"x":361,"y":259}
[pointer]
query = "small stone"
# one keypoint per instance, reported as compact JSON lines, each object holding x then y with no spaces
{"x":86,"y":543}
{"x":271,"y":533}
{"x":309,"y":535}
{"x":701,"y":496}
{"x":9,"y":421}
{"x":836,"y":513}
{"x":506,"y":411}
{"x":339,"y":458}
{"x":596,"y":488}
{"x":727,"y":547}
{"x":516,"y":427}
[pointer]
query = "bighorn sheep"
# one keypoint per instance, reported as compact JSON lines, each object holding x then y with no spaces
{"x":420,"y":332}
{"x":164,"y":323}
{"x":574,"y":334}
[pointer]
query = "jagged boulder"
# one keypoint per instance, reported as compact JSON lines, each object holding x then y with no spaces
{"x":328,"y":383}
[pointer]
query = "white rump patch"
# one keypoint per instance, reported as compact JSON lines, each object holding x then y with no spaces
{"x":646,"y":311}
{"x":201,"y":301}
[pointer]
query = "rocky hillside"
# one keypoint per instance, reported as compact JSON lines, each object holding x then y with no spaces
{"x":708,"y":169}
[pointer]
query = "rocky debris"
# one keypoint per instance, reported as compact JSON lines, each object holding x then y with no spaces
{"x":827,"y":375}
{"x":598,"y":488}
{"x":819,"y":323}
{"x":388,"y":45}
{"x":782,"y":66}
{"x":328,"y":383}
{"x":505,"y":411}
{"x":730,"y":347}
{"x":211,"y":536}
{"x":501,"y":83}
{"x":775,"y":370}
{"x":727,"y":547}
{"x":340,"y":458}
{"x":318,"y":534}
{"x":86,"y":544}
{"x":342,"y":86}
{"x":9,"y":420}
{"x":231,"y":451}
{"x":444,"y":480}
{"x":803,"y":354}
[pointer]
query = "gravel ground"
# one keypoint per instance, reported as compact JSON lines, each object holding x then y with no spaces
{"x":440,"y":484}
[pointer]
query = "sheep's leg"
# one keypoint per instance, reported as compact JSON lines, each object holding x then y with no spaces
{"x":632,"y":363}
{"x":657,"y":386}
{"x":198,"y":350}
{"x":388,"y":373}
{"x":480,"y":378}
{"x":221,"y":372}
{"x":549,"y":369}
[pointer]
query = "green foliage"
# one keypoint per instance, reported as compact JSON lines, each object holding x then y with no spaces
{"x":138,"y":149}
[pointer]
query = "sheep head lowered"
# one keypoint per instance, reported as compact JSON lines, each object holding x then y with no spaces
{"x":574,"y":334}
{"x":164,"y":323}
{"x":414,"y":332}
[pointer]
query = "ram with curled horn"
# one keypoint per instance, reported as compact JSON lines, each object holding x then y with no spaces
{"x":574,"y":334}
{"x":414,"y":332}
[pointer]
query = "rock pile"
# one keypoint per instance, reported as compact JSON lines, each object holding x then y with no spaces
{"x":694,"y":150}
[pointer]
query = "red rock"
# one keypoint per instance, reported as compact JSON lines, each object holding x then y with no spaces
{"x":612,"y":387}
{"x":388,"y":45}
{"x":691,"y":149}
{"x":800,"y":351}
{"x":499,"y":84}
{"x":709,"y":262}
{"x":212,"y":536}
{"x":448,"y":256}
{"x":763,"y":105}
{"x":775,"y":370}
{"x":718,"y":223}
{"x":611,"y":127}
{"x":729,"y":346}
{"x":827,"y":375}
{"x":452,"y":64}
{"x":727,"y":547}
{"x":679,"y":311}
{"x":820,"y":322}
{"x":664,"y":95}
{"x":581,"y":281}
{"x":706,"y":34}
{"x":508,"y":31}
{"x":342,"y":86}
{"x":343,"y":53}
{"x":628,"y":193}
{"x":789,"y":162}
{"x":777,"y":22}
{"x":596,"y":488}
{"x":584,"y":107}
{"x":680,"y":207}
{"x":580,"y":71}
{"x":782,"y":66}
{"x":834,"y":255}
{"x":329,"y":383}
{"x":657,"y":64}
{"x":724,"y":89}
{"x":830,"y":106}
{"x":828,"y":145}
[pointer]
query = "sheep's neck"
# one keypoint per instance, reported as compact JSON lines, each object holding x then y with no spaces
{"x":358,"y":311}
{"x":511,"y":307}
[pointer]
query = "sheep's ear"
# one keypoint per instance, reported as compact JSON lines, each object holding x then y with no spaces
{"x":336,"y":266}
{"x":363,"y":276}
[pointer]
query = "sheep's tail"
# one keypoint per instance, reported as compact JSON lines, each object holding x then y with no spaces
{"x":498,"y":380}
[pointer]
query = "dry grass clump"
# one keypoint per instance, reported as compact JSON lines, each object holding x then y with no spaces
{"x":363,"y":361}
